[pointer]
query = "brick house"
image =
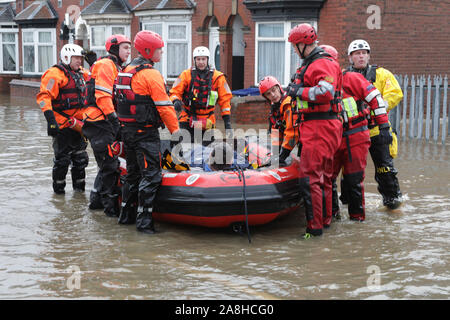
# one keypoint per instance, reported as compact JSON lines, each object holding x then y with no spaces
{"x":247,"y":38}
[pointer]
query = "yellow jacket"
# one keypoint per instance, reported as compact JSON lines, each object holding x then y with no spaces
{"x":389,"y":88}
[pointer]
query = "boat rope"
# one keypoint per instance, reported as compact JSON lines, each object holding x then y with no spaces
{"x":241,"y":174}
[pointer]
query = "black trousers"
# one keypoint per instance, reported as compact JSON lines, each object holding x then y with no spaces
{"x":69,"y":149}
{"x":101,"y":135}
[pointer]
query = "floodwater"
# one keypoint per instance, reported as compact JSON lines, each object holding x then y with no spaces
{"x":54,"y":247}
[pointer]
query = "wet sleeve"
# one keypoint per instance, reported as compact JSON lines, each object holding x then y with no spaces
{"x":225,"y":95}
{"x":180,"y":85}
{"x":51,"y":81}
{"x":389,"y":88}
{"x":105,"y":75}
{"x":290,"y":138}
{"x":157,"y":90}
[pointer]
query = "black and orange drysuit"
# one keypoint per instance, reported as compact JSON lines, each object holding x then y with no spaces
{"x":360,"y":100}
{"x":61,"y":98}
{"x":200,"y":91}
{"x":142,"y":106}
{"x":101,"y":127}
{"x":316,"y":89}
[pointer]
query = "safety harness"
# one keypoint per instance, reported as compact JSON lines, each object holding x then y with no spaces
{"x":71,"y":95}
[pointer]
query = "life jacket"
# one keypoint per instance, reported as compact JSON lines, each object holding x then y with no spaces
{"x":71,"y":95}
{"x":90,"y":100}
{"x":200,"y":96}
{"x":354,"y":112}
{"x":133,"y":108}
{"x":311,"y":107}
{"x":370,"y":72}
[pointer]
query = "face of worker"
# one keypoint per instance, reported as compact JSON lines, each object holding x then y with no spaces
{"x":360,"y":59}
{"x":273,"y":94}
{"x":76,"y":62}
{"x":157,"y":55}
{"x":124,"y":51}
{"x":201,"y":62}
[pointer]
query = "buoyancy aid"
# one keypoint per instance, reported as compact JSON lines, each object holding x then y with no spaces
{"x":200,"y":96}
{"x":90,"y":100}
{"x":309,"y":107}
{"x":132,"y":108}
{"x":71,"y":95}
{"x":370,"y":72}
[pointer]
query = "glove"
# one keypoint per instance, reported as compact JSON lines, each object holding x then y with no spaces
{"x":117,"y":148}
{"x":115,"y":123}
{"x":284,"y":154}
{"x":294,"y":90}
{"x":385,"y":136}
{"x":228,"y":128}
{"x":90,"y":57}
{"x":177,"y":104}
{"x":52,"y":125}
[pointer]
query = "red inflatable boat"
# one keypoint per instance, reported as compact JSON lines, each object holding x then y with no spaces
{"x":225,"y":198}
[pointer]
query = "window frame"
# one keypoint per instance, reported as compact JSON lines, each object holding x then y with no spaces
{"x":16,"y":43}
{"x":108,"y":33}
{"x":287,"y":46}
{"x":36,"y":49}
{"x":165,"y":35}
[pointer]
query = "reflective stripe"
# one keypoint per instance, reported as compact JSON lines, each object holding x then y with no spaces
{"x":124,"y":74}
{"x":79,"y":180}
{"x":123,"y":86}
{"x":226,"y":109}
{"x":97,"y":87}
{"x":350,"y":106}
{"x":372,"y":95}
{"x":301,"y":104}
{"x":379,"y":111}
{"x":163,"y":103}
{"x":60,"y":181}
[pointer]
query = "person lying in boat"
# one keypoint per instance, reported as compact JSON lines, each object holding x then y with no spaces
{"x":216,"y":157}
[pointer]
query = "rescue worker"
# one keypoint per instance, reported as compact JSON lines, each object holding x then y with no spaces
{"x":143,"y":106}
{"x":384,"y":142}
{"x":282,"y":121}
{"x":316,"y":90}
{"x":101,"y":125}
{"x":61,"y":98}
{"x":359,"y":99}
{"x":196,"y":92}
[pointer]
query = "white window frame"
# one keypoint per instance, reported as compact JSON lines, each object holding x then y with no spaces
{"x":165,"y":36}
{"x":287,"y":47}
{"x":36,"y":51}
{"x":16,"y":32}
{"x":108,"y":33}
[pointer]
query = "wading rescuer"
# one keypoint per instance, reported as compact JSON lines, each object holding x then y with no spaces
{"x":316,"y":91}
{"x":143,"y":106}
{"x":359,"y":99}
{"x":61,"y":98}
{"x":196,"y":92}
{"x":281,"y":119}
{"x":383,"y":149}
{"x":101,"y":125}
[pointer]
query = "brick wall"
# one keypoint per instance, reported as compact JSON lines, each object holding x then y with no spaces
{"x":4,"y":82}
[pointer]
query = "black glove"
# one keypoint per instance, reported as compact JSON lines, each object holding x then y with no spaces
{"x":90,"y":57}
{"x":228,"y":128}
{"x":294,"y":90}
{"x":115,"y":123}
{"x":385,"y":136}
{"x":52,"y":125}
{"x":284,"y":154}
{"x":177,"y":104}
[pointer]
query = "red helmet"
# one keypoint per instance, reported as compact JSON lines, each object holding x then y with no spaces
{"x":116,"y":39}
{"x":268,"y":82}
{"x":146,"y":39}
{"x":302,"y":33}
{"x":330,"y":50}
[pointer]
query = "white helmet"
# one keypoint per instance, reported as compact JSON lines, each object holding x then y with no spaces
{"x":69,"y":50}
{"x":201,"y":52}
{"x":358,"y":45}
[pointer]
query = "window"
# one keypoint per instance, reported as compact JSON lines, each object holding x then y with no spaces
{"x":39,"y":48}
{"x":99,"y":34}
{"x":8,"y":52}
{"x":177,"y":51}
{"x":274,"y":54}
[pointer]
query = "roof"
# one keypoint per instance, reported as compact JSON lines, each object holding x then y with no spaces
{"x":164,"y":4}
{"x":107,"y":7}
{"x":6,"y":12}
{"x":38,"y":10}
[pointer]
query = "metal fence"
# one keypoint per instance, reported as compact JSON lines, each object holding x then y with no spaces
{"x":423,"y":112}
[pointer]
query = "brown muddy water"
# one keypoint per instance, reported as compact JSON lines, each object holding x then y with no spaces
{"x":54,"y":247}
